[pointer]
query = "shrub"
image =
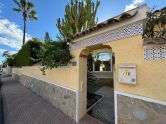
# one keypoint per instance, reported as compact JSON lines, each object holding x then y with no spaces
{"x":29,"y":53}
{"x":56,"y":54}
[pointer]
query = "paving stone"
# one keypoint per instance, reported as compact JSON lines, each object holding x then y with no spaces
{"x":22,"y":106}
{"x":1,"y":109}
{"x":104,"y":109}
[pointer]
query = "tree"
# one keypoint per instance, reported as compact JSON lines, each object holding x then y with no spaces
{"x":79,"y":16}
{"x":10,"y":59}
{"x":55,"y":54}
{"x":6,"y":54}
{"x":26,"y":8}
{"x":30,"y":53}
{"x":47,"y":38}
{"x":155,"y":27}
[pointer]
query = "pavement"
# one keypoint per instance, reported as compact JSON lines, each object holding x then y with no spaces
{"x":22,"y":106}
{"x":104,"y":109}
{"x":1,"y":110}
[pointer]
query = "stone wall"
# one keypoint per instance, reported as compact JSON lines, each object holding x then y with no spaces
{"x":62,"y":98}
{"x":135,"y":111}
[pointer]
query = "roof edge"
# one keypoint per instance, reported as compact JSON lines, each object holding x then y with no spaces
{"x":111,"y":21}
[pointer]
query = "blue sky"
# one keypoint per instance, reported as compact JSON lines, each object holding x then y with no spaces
{"x":49,"y":11}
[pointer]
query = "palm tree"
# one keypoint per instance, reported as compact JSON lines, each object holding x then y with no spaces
{"x":26,"y":8}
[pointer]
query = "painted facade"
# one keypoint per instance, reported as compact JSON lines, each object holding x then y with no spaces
{"x":124,"y":39}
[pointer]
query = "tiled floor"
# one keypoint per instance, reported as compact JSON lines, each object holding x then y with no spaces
{"x":104,"y":110}
{"x":22,"y":106}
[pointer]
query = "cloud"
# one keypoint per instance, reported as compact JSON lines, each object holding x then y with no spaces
{"x":134,"y":4}
{"x":130,"y":6}
{"x":138,"y":1}
{"x":11,"y":34}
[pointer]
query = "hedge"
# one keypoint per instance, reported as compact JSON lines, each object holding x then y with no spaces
{"x":29,"y":53}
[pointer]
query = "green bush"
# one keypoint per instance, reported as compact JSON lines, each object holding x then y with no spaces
{"x":56,"y":54}
{"x":29,"y":53}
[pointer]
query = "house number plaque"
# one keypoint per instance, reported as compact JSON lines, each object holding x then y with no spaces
{"x":127,"y":74}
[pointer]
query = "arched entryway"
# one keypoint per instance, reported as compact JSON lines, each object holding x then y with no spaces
{"x":96,"y":72}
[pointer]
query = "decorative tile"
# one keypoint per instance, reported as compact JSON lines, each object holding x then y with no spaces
{"x":155,"y":53}
{"x":120,"y":33}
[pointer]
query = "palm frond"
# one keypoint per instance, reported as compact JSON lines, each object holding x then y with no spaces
{"x":23,"y":4}
{"x":33,"y":15}
{"x":17,"y":10}
{"x":30,"y":5}
{"x":16,"y":2}
{"x":32,"y":12}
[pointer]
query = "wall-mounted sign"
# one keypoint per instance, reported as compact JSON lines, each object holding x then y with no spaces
{"x":74,"y":63}
{"x":127,"y":73}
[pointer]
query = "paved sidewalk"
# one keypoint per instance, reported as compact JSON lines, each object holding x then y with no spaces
{"x":1,"y":109}
{"x":22,"y":106}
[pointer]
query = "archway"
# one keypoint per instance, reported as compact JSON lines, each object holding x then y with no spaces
{"x":97,"y":83}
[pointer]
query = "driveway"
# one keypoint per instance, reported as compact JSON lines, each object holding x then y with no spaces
{"x":104,"y":109}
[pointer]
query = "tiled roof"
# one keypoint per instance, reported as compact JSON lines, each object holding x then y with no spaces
{"x":116,"y":19}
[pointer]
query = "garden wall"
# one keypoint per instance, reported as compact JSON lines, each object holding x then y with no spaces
{"x":60,"y":96}
{"x":150,"y":74}
{"x":138,"y":111}
{"x":64,"y":76}
{"x":148,"y":101}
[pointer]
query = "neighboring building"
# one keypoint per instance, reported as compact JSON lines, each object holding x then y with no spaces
{"x":134,"y":74}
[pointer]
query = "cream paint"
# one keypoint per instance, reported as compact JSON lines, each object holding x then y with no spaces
{"x":129,"y":50}
{"x":150,"y":74}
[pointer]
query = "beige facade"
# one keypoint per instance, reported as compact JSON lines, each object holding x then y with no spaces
{"x":128,"y":49}
{"x":150,"y":77}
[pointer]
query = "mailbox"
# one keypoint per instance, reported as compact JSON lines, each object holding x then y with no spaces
{"x":127,"y":74}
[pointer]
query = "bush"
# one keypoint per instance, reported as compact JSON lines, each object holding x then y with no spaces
{"x":56,"y":54}
{"x":50,"y":55}
{"x":29,"y":53}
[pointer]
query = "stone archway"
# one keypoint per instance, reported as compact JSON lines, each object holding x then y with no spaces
{"x":85,"y":52}
{"x":83,"y":74}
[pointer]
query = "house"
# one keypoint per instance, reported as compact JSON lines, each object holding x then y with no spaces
{"x":133,"y":72}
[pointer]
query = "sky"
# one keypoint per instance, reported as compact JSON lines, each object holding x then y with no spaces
{"x":48,"y":11}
